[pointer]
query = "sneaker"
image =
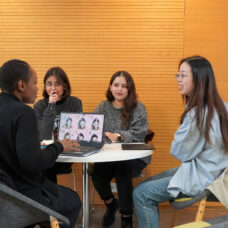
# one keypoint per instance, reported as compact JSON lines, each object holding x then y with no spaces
{"x":126,"y":222}
{"x":109,"y":216}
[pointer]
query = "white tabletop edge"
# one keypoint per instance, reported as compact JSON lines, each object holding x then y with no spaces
{"x":110,"y":152}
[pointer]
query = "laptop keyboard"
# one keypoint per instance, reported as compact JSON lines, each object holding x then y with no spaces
{"x":86,"y":148}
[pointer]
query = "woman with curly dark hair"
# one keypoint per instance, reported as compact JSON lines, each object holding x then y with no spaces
{"x":125,"y":121}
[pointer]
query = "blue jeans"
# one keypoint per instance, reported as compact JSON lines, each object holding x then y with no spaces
{"x":148,"y":194}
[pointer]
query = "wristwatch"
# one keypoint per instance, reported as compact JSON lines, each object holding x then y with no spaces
{"x":118,"y":139}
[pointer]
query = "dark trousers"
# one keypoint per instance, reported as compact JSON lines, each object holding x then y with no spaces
{"x":123,"y":172}
{"x":65,"y":201}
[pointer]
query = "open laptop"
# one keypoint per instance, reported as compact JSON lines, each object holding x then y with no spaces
{"x":86,"y":128}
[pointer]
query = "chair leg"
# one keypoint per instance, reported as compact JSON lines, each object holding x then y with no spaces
{"x":74,"y":180}
{"x":175,"y":217}
{"x":93,"y":200}
{"x":69,"y":180}
{"x":201,"y":209}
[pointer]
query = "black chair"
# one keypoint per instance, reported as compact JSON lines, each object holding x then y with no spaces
{"x":19,"y":211}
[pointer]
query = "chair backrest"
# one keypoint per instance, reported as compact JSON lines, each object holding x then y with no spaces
{"x":18,"y":210}
{"x":149,"y":136}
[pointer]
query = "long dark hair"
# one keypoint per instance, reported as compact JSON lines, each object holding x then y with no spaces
{"x":60,"y":74}
{"x":205,"y":95}
{"x":130,"y":101}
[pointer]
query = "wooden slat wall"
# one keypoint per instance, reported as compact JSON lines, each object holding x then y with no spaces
{"x":93,"y":39}
{"x":206,"y":33}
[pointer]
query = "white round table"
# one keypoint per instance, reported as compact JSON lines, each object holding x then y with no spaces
{"x":110,"y":152}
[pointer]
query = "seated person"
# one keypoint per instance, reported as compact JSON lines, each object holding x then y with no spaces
{"x":200,"y":143}
{"x":125,"y":121}
{"x":20,"y":154}
{"x":56,"y":99}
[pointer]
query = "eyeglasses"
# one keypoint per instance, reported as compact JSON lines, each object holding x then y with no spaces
{"x":180,"y":76}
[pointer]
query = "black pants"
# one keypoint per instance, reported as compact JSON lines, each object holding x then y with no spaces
{"x":65,"y":201}
{"x":123,"y":172}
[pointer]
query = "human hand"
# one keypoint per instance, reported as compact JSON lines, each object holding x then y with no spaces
{"x":69,"y":145}
{"x":111,"y":136}
{"x":53,"y":98}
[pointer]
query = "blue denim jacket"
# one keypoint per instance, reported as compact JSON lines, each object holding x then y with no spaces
{"x":202,"y":162}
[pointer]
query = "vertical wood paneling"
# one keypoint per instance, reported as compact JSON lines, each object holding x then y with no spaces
{"x":93,"y":39}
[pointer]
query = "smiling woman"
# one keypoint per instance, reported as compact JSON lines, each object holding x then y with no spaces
{"x":125,"y":121}
{"x":200,"y":143}
{"x":20,"y":154}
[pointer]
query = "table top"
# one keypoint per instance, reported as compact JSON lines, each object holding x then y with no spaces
{"x":110,"y":152}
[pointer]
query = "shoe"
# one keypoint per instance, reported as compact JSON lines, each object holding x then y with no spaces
{"x":109,"y":216}
{"x":126,"y":222}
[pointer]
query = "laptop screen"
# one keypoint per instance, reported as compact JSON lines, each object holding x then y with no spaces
{"x":86,"y":128}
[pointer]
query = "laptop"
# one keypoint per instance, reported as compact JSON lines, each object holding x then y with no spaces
{"x":86,"y":128}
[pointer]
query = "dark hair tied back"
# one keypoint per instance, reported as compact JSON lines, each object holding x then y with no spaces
{"x":11,"y":72}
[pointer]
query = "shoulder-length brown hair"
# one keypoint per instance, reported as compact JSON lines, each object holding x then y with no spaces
{"x":205,"y":95}
{"x":60,"y":74}
{"x":130,"y":101}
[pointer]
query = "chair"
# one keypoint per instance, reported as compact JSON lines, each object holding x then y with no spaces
{"x":148,"y":139}
{"x":203,"y":198}
{"x":68,"y":172}
{"x":18,"y":210}
{"x":218,"y":222}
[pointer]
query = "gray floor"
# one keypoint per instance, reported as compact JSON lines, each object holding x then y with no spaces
{"x":166,"y":215}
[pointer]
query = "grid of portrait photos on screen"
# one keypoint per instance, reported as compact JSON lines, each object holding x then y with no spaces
{"x":82,"y":127}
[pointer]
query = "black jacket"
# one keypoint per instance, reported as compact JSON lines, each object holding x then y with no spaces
{"x":20,"y":154}
{"x":46,"y":113}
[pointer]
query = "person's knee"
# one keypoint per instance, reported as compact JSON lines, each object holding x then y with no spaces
{"x":137,"y":194}
{"x":76,"y":200}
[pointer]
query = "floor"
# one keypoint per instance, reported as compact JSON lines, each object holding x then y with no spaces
{"x":166,"y":215}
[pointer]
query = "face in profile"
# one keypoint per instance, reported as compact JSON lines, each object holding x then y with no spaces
{"x":94,"y":138}
{"x":81,"y":123}
{"x":95,"y":124}
{"x":67,"y":135}
{"x":80,"y":137}
{"x":185,"y":79}
{"x":119,"y":88}
{"x":30,"y":88}
{"x":68,"y":123}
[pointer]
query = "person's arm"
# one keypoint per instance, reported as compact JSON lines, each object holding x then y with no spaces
{"x":27,"y":145}
{"x":138,"y":126}
{"x":45,"y":117}
{"x":188,"y":141}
